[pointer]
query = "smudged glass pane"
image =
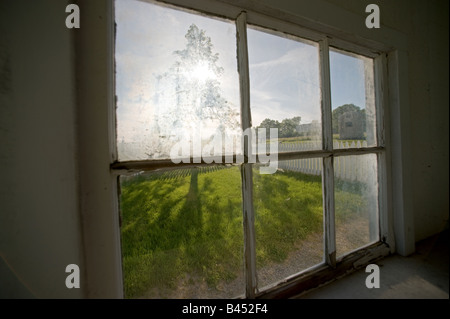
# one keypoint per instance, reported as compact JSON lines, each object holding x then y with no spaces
{"x":182,"y":234}
{"x":356,"y":202}
{"x":176,"y":82}
{"x":285,"y":89}
{"x":353,"y":99}
{"x":288,"y":219}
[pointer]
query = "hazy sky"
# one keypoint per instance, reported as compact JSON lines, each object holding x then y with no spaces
{"x":284,"y":74}
{"x":347,"y":79}
{"x":284,"y":78}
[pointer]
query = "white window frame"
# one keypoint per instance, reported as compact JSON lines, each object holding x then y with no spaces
{"x":98,"y":177}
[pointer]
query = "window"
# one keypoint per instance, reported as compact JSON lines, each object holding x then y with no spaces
{"x":214,"y":206}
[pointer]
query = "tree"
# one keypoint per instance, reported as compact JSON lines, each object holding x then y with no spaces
{"x":189,"y":95}
{"x":268,"y":124}
{"x":288,"y":127}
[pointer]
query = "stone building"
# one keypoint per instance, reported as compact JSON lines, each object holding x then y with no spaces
{"x":351,"y":126}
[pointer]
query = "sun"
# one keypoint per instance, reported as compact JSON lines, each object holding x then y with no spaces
{"x":202,"y":72}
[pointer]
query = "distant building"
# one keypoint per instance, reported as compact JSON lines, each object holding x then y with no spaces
{"x":309,"y":129}
{"x":351,"y":126}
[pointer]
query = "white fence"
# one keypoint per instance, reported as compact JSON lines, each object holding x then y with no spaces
{"x":351,"y":168}
{"x":315,"y":145}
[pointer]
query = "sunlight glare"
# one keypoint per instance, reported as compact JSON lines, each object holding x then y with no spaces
{"x":201,"y":72}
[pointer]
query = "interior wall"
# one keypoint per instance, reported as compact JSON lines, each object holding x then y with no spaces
{"x":39,"y":217}
{"x":430,"y":123}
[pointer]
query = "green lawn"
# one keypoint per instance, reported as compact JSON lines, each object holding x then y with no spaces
{"x":288,"y":207}
{"x":187,"y":224}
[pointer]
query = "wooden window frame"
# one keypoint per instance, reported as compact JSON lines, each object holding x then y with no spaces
{"x":385,"y":58}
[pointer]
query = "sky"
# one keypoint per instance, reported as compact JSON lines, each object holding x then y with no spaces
{"x":284,"y":78}
{"x":284,"y":73}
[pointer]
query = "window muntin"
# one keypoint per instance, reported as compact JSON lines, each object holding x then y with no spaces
{"x":329,"y":180}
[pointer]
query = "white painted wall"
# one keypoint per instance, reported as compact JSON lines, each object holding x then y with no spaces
{"x":43,"y":120}
{"x":40,"y":230}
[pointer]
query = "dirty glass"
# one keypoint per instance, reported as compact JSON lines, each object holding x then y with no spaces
{"x":182,"y":234}
{"x":285,"y":89}
{"x":176,"y":83}
{"x":353,"y":100}
{"x":356,"y":202}
{"x":288,"y":219}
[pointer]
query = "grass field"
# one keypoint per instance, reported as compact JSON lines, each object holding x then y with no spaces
{"x":185,"y":226}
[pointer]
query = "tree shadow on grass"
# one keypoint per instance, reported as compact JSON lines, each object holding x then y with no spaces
{"x":214,"y":235}
{"x":288,"y":207}
{"x":166,"y":233}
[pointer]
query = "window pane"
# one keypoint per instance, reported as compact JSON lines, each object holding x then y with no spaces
{"x":182,"y":234}
{"x":176,"y":81}
{"x":353,"y":100}
{"x":288,"y":219}
{"x":356,"y":201}
{"x":285,"y":89}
